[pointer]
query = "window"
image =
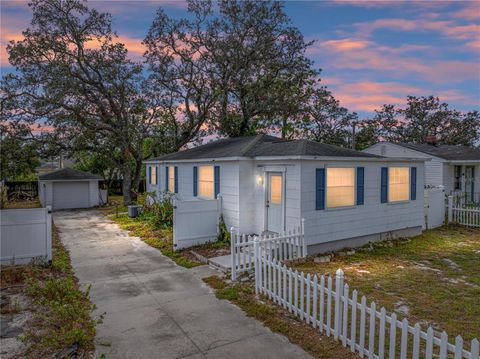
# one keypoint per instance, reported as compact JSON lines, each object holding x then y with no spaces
{"x":153,"y":175}
{"x":205,"y":181}
{"x":171,"y":179}
{"x":458,"y":177}
{"x":275,"y":189}
{"x":398,"y":184}
{"x":340,"y":187}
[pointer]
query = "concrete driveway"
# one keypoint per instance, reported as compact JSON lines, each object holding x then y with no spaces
{"x":154,"y":308}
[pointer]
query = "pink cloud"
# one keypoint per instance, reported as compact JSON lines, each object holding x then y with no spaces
{"x":346,"y":44}
{"x":371,"y":95}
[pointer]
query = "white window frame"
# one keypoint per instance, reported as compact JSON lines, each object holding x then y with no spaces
{"x":353,"y":205}
{"x":153,"y":175}
{"x":408,"y":185}
{"x":199,"y":195}
{"x":171,"y":179}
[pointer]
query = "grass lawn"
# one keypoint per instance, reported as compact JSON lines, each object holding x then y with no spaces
{"x":278,"y":319}
{"x":432,"y":279}
{"x":59,"y":312}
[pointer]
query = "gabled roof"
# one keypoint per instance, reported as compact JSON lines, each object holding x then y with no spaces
{"x":68,"y":174}
{"x":260,"y":146}
{"x":447,"y":152}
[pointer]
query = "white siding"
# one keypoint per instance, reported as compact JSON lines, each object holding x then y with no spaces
{"x":371,"y":218}
{"x":229,"y":186}
{"x":433,"y":168}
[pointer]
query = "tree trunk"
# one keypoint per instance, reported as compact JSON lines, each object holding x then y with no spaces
{"x":126,"y":185}
{"x":136,"y":178}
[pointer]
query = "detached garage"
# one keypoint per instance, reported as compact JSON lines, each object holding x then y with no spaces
{"x":68,"y":188}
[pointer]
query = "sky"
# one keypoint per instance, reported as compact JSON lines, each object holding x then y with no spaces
{"x":371,"y":52}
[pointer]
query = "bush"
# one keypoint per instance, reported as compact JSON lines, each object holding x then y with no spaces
{"x":223,"y":233}
{"x":158,"y":212}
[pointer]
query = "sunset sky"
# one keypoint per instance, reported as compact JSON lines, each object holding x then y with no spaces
{"x":371,"y":53}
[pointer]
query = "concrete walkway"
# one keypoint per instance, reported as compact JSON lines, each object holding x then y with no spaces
{"x":154,"y":308}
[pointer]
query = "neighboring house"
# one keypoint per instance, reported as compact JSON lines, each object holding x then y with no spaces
{"x":457,"y":168}
{"x":347,"y":198}
{"x":68,"y":188}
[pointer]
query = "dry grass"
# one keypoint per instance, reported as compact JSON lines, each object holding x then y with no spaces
{"x":22,"y":204}
{"x":61,"y":313}
{"x":436,"y":276}
{"x":278,"y":319}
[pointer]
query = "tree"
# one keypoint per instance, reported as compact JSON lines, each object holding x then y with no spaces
{"x":72,"y":73}
{"x":327,"y":120}
{"x":231,"y":69}
{"x":18,"y":152}
{"x":367,"y":134}
{"x":424,"y":117}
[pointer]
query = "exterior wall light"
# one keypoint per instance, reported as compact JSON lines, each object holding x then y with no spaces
{"x":260,"y":179}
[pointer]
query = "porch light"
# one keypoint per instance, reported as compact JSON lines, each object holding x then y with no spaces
{"x":260,"y":179}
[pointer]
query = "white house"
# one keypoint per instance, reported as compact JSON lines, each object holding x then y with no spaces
{"x":457,"y":168}
{"x":68,"y":188}
{"x":347,"y":198}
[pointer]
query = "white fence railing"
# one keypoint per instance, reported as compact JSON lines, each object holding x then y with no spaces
{"x":336,"y":312}
{"x":465,"y":215}
{"x":25,"y":235}
{"x":286,"y":245}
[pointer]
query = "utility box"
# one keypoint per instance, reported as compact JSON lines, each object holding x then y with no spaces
{"x":134,"y":210}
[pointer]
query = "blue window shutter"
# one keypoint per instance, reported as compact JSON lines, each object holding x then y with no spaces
{"x":166,"y":178}
{"x":216,"y":180}
{"x":384,"y":185}
{"x":195,"y":181}
{"x":320,"y":188}
{"x":360,"y":185}
{"x":150,"y":174}
{"x":156,"y":175}
{"x":175,"y":179}
{"x":413,"y":183}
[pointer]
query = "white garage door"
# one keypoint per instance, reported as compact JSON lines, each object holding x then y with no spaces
{"x":70,"y":195}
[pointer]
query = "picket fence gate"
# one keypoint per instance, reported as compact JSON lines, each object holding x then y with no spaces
{"x":463,"y":214}
{"x":336,"y":313}
{"x":286,"y":245}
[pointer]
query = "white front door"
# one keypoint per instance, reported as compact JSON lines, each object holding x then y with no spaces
{"x":275,"y":202}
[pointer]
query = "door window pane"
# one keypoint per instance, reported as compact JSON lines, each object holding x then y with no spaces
{"x":399,"y":184}
{"x":276,"y":189}
{"x":340,"y":187}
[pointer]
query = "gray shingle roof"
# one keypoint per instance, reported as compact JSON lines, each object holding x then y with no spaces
{"x":68,"y":174}
{"x":448,"y":152}
{"x":262,"y":145}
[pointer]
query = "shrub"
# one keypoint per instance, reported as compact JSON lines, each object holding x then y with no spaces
{"x":223,"y":233}
{"x":159,"y":212}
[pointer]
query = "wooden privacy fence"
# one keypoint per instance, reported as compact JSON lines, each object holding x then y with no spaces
{"x":286,"y":245}
{"x":467,"y":215}
{"x":327,"y":304}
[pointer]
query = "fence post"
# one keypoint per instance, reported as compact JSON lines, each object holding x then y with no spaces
{"x":450,"y":209}
{"x":304,"y":244}
{"x":233,"y":240}
{"x":256,"y":264}
{"x":338,"y":298}
{"x":48,"y":240}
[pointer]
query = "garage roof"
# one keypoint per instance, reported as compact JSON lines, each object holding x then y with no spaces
{"x":68,"y":174}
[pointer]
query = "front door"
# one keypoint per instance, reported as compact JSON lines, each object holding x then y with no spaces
{"x":275,"y":202}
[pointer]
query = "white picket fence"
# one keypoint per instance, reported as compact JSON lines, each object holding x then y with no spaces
{"x":286,"y":245}
{"x":462,"y":214}
{"x":362,"y":328}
